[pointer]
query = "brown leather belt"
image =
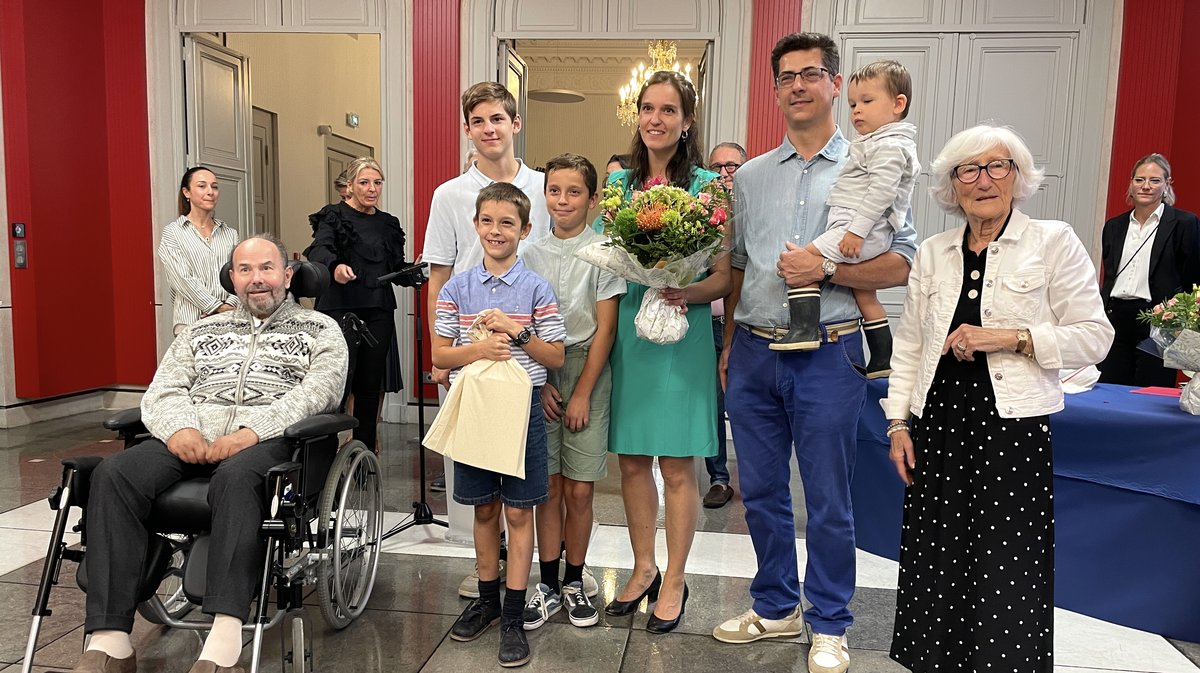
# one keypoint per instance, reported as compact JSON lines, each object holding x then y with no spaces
{"x":829,"y":331}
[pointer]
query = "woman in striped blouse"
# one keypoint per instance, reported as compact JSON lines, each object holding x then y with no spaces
{"x":192,"y":250}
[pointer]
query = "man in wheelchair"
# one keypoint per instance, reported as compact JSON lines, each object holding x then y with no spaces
{"x":218,"y":405}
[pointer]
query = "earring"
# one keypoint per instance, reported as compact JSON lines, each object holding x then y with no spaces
{"x":684,"y":136}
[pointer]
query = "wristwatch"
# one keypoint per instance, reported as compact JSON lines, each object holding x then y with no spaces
{"x":523,"y":337}
{"x":1022,"y":341}
{"x":829,"y":267}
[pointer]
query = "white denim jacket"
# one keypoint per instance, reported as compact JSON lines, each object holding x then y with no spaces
{"x":1037,"y":276}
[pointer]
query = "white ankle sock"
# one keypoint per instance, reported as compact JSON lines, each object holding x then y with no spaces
{"x":223,"y":646}
{"x":115,"y":644}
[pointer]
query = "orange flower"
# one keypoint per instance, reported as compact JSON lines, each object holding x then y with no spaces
{"x":650,"y":217}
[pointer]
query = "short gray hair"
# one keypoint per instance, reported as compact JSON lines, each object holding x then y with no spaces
{"x":270,"y":238}
{"x":965,"y":146}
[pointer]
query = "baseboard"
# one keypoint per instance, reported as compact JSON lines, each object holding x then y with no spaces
{"x":61,"y":407}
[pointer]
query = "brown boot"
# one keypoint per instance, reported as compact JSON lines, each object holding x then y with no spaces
{"x":95,"y":661}
{"x":205,"y":666}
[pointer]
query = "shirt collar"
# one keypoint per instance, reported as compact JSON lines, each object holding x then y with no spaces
{"x":834,"y":149}
{"x":184,"y":223}
{"x":1155,"y":216}
{"x":509,"y":277}
{"x":520,"y":179}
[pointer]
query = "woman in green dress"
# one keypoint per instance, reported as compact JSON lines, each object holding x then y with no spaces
{"x":664,"y":396}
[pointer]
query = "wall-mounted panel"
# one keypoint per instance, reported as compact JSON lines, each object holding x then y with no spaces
{"x":223,"y":14}
{"x":330,"y":14}
{"x":549,"y":16}
{"x":1024,"y":13}
{"x":663,"y":17}
{"x":895,"y":13}
{"x":1025,"y":82}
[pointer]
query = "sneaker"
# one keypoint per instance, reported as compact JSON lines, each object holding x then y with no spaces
{"x":580,"y":610}
{"x":514,"y":646}
{"x":469,"y":587}
{"x":438,"y":485}
{"x":828,"y":654}
{"x":475,"y":620}
{"x":544,"y":605}
{"x":590,"y":587}
{"x":749,"y":627}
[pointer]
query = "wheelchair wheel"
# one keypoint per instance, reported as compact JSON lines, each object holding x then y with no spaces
{"x":170,"y":590}
{"x":351,"y":526}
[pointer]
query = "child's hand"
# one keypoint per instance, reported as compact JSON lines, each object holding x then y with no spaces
{"x":577,"y":413}
{"x":551,"y":403}
{"x":851,"y":245}
{"x":498,"y":321}
{"x":496,"y":347}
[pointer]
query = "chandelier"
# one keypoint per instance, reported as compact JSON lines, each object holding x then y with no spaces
{"x":662,"y":57}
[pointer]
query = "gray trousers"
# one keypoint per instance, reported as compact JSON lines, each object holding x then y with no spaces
{"x":122,"y":493}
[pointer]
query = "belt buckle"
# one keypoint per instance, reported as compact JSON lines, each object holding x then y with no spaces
{"x":831,"y":336}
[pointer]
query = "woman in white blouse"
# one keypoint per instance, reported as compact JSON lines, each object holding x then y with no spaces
{"x":192,"y":250}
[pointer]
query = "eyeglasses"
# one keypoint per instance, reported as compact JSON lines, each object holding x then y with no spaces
{"x":729,"y":167}
{"x":1139,"y":181}
{"x":997,"y":169}
{"x":810,"y":75}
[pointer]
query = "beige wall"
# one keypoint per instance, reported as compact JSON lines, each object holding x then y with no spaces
{"x":309,"y":80}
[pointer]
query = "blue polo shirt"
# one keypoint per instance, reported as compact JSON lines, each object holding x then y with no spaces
{"x":523,"y":295}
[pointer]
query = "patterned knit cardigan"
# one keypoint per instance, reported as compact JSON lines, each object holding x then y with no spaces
{"x":220,"y":374}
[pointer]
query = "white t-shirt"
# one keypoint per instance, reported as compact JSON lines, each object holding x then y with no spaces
{"x":450,"y":237}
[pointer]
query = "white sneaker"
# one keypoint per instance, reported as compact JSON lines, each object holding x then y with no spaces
{"x":544,"y":604}
{"x":589,"y":583}
{"x":828,"y":654}
{"x":469,"y":587}
{"x":749,"y":627}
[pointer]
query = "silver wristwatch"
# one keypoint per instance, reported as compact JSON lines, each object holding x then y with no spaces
{"x":829,"y":267}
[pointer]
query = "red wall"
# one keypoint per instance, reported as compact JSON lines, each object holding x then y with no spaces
{"x":772,"y":19}
{"x":1157,"y":97}
{"x":437,"y":118}
{"x":77,"y":166}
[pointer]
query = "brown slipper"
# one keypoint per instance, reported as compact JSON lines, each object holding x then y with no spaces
{"x":95,"y":661}
{"x":718,"y":496}
{"x":205,"y":666}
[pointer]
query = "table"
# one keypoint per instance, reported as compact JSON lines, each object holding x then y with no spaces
{"x":1127,"y":506}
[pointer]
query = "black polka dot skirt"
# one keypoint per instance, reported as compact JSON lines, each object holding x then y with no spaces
{"x":976,"y":589}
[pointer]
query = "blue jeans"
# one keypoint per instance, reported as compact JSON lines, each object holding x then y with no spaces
{"x":807,"y":402}
{"x":476,"y":486}
{"x":718,"y":472}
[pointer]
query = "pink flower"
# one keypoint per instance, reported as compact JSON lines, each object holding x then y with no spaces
{"x":718,"y":217}
{"x":705,"y":198}
{"x":1172,"y":301}
{"x":1168,"y":315}
{"x":1158,"y":309}
{"x":655,"y":181}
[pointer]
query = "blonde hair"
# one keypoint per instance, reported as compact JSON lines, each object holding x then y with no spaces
{"x":1160,"y":161}
{"x":358,"y":166}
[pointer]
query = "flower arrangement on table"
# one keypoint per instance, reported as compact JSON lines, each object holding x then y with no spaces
{"x":1175,"y":329}
{"x":662,"y":237}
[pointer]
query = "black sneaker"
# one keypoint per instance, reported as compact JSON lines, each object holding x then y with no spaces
{"x":438,"y":484}
{"x":580,"y":610}
{"x":514,"y":646}
{"x":475,"y":620}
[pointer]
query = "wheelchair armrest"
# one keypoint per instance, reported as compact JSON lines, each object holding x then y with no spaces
{"x":130,"y":419}
{"x":80,"y":484}
{"x":321,"y":424}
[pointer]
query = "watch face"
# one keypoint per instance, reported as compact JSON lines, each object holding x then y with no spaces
{"x":829,"y":267}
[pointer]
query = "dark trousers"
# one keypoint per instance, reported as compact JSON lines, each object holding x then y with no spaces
{"x":123,"y":489}
{"x":1126,"y":364}
{"x":369,"y":364}
{"x":717,"y":466}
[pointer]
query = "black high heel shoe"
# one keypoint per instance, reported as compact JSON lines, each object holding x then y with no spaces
{"x":657,"y":625}
{"x":618,"y":608}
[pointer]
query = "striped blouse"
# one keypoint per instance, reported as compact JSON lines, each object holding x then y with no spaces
{"x":192,"y":266}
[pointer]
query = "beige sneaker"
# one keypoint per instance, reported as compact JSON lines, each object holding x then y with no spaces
{"x":749,"y":627}
{"x":589,"y":583}
{"x":469,"y":587}
{"x":828,"y":654}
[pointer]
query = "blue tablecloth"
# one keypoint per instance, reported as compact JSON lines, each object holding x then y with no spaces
{"x":1127,"y":506}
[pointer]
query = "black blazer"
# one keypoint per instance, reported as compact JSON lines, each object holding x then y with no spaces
{"x":1174,"y":256}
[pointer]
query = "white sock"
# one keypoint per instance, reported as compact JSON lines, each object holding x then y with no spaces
{"x":115,"y":644}
{"x":223,"y":646}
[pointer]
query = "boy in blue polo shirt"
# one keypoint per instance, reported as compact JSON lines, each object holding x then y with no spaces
{"x":520,"y":309}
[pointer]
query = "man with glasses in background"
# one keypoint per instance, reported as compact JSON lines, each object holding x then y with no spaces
{"x":724,"y":160}
{"x":807,"y":401}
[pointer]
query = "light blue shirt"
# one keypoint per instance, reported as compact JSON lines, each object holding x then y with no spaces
{"x":780,"y":196}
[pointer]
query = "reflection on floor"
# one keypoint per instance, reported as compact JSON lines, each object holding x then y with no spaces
{"x":414,"y":604}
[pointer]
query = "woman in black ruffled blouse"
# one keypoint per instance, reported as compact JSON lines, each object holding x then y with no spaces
{"x":359,"y":243}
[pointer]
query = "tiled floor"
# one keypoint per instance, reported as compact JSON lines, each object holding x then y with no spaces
{"x":414,"y":602}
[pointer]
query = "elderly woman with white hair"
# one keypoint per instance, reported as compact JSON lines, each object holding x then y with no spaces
{"x":994,"y":309}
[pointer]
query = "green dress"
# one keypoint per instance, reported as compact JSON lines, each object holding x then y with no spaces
{"x":664,"y":397}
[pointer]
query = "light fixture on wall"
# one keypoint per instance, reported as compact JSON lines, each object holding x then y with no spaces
{"x":557,"y":96}
{"x":662,"y":57}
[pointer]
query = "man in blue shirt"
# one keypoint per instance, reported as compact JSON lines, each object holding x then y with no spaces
{"x":806,"y":401}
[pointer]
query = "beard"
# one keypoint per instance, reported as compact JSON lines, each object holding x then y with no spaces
{"x":262,"y":306}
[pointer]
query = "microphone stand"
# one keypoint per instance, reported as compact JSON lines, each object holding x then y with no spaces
{"x":422,"y":514}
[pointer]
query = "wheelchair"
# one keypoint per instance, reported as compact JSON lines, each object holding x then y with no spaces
{"x":324,"y":526}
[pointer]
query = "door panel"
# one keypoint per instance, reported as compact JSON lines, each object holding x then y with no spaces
{"x":265,"y":173}
{"x":217,"y":95}
{"x":514,"y":75}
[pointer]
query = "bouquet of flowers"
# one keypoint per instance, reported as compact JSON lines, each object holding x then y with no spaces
{"x":1175,"y":330}
{"x":662,"y":238}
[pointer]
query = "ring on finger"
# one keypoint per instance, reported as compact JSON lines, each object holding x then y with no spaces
{"x":960,"y":347}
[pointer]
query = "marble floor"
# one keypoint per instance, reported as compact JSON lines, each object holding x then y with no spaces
{"x":414,"y":602}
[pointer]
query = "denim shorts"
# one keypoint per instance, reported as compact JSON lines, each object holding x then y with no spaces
{"x":475,"y":486}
